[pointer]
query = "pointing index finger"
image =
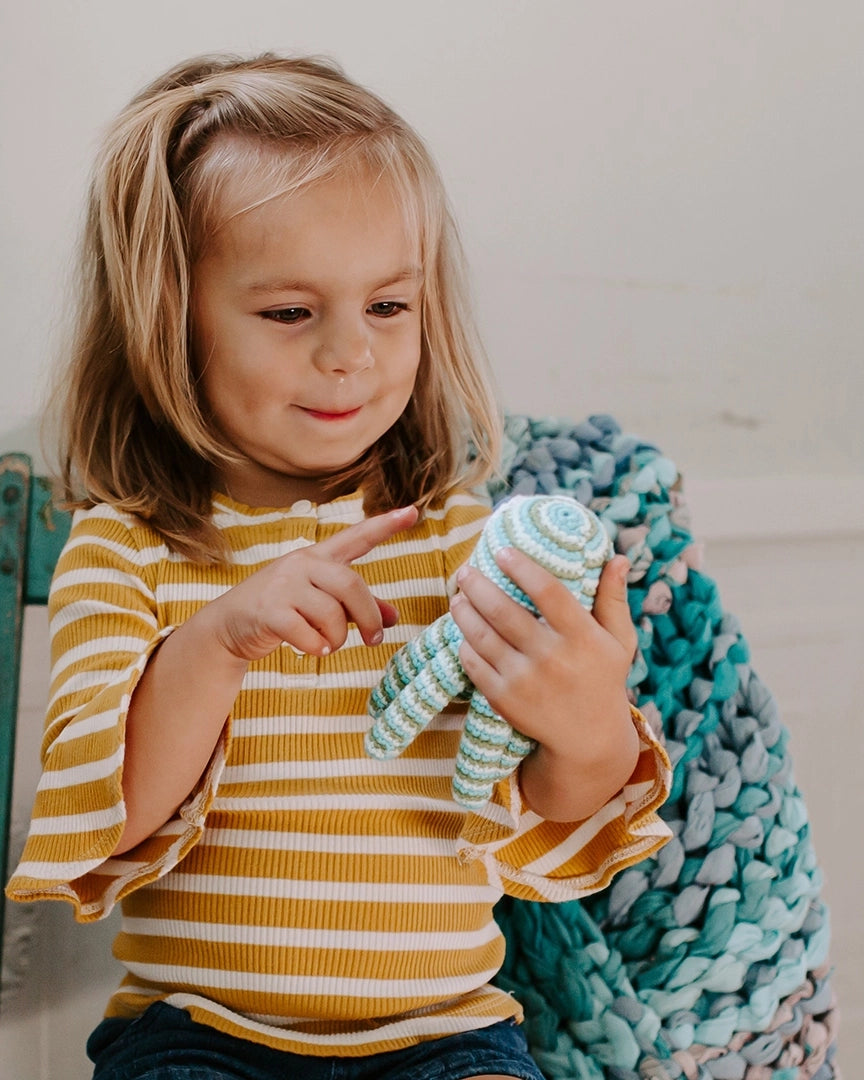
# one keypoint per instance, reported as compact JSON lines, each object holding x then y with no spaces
{"x":361,"y":538}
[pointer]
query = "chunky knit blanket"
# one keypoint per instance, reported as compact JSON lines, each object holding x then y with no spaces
{"x":426,"y":674}
{"x":708,"y":961}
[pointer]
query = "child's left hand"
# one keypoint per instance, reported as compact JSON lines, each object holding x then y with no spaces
{"x":561,"y":680}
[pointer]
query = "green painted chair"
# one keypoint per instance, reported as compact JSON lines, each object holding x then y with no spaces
{"x":32,"y":532}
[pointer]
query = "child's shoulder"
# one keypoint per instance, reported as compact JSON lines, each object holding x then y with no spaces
{"x":105,"y":523}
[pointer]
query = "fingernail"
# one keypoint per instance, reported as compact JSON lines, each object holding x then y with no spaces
{"x":377,"y":637}
{"x":504,"y":555}
{"x":325,"y":651}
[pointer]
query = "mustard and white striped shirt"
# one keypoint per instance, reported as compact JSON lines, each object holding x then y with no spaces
{"x":304,"y":896}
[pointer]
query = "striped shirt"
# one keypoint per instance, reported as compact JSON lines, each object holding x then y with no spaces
{"x":304,"y":896}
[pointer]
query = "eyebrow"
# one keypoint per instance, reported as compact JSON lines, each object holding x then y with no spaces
{"x":263,"y":288}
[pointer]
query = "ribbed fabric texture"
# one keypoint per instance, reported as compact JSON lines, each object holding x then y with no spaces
{"x":304,"y":896}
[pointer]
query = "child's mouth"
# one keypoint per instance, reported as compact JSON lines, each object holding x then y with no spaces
{"x":321,"y":414}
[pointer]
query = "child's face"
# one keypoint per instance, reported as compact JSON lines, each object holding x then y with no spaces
{"x":306,"y":330}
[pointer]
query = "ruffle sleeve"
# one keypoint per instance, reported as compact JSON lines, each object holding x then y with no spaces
{"x":104,"y":629}
{"x":534,"y":859}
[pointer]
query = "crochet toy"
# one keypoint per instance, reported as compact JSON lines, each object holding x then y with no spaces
{"x":708,"y":961}
{"x":426,"y":674}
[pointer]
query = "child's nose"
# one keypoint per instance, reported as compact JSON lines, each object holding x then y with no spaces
{"x":344,"y":350}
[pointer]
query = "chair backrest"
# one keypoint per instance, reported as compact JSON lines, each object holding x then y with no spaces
{"x":32,"y":532}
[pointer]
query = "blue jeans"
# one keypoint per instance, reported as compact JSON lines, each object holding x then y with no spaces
{"x":166,"y":1044}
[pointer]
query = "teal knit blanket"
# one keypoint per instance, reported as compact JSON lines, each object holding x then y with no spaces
{"x":708,"y":961}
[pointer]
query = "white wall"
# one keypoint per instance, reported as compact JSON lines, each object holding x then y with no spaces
{"x":661,"y":203}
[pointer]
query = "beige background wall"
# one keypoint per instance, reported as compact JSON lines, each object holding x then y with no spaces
{"x":661,"y":204}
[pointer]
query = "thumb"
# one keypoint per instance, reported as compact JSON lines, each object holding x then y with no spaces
{"x":611,"y":609}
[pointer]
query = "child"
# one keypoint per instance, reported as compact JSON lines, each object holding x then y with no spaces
{"x":268,"y":418}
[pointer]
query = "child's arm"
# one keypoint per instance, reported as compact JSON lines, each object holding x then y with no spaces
{"x":560,"y":681}
{"x":179,"y":707}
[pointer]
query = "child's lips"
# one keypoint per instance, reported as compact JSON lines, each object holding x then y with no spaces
{"x":334,"y":414}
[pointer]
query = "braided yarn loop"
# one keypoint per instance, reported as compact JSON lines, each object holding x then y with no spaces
{"x":707,"y":961}
{"x":426,"y":674}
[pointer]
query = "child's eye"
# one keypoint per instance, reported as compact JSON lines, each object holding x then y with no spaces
{"x":386,"y":308}
{"x":286,"y":315}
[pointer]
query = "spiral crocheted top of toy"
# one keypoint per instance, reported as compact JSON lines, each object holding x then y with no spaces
{"x":557,"y":532}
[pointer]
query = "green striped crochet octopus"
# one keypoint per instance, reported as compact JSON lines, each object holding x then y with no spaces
{"x":426,"y":674}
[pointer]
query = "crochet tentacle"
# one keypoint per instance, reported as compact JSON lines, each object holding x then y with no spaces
{"x":422,"y":678}
{"x":488,"y":751}
{"x":404,"y":666}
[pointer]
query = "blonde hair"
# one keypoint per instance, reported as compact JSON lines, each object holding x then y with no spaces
{"x":133,"y":431}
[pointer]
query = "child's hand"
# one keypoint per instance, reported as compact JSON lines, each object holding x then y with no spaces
{"x":308,"y":597}
{"x":562,"y":680}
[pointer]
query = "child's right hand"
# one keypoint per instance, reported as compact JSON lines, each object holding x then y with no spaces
{"x":308,"y":597}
